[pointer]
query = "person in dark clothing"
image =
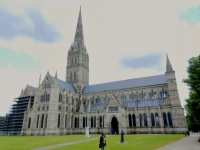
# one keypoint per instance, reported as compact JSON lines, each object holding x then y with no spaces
{"x":122,"y":137}
{"x":188,"y":133}
{"x":102,"y":141}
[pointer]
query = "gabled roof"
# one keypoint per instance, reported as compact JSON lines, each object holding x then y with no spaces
{"x":143,"y":103}
{"x":124,"y":84}
{"x":28,"y":91}
{"x":66,"y":85}
{"x":33,"y":90}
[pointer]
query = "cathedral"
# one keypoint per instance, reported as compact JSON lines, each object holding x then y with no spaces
{"x":140,"y":105}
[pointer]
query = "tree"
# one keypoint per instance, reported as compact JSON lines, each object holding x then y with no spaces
{"x":193,"y":102}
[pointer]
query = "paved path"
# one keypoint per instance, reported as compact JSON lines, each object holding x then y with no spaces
{"x":187,"y":143}
{"x":66,"y":144}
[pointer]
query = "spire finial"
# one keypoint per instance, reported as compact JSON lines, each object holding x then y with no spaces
{"x":29,"y":104}
{"x":56,"y":74}
{"x":40,"y":79}
{"x":168,"y":64}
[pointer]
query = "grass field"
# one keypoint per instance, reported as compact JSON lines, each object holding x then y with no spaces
{"x":31,"y":142}
{"x":132,"y":142}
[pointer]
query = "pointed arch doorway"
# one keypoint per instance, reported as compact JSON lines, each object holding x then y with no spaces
{"x":114,"y":126}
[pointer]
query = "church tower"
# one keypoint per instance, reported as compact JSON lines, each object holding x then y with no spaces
{"x":172,"y":85}
{"x":77,"y":70}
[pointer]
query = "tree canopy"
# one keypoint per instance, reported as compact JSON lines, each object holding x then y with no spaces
{"x":193,"y":102}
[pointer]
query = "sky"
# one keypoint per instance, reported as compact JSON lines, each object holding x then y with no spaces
{"x":124,"y":39}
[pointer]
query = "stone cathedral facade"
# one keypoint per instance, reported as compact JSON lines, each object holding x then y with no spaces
{"x":141,"y":105}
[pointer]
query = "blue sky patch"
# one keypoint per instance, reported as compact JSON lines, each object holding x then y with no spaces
{"x":153,"y":61}
{"x":192,"y":15}
{"x":9,"y":57}
{"x":32,"y":25}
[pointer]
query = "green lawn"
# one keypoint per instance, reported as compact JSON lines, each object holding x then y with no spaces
{"x":136,"y":142}
{"x":132,"y":142}
{"x":31,"y":142}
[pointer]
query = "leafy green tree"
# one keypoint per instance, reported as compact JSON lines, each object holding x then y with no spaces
{"x":193,"y":103}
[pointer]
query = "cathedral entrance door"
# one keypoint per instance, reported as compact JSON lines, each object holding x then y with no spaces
{"x":114,"y":126}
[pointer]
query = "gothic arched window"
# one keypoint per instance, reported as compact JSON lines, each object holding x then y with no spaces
{"x":58,"y":125}
{"x":129,"y":120}
{"x":155,"y":96}
{"x":72,"y":120}
{"x":60,"y":97}
{"x":91,"y":122}
{"x":97,"y":100}
{"x":65,"y":121}
{"x":95,"y":121}
{"x":38,"y":120}
{"x":157,"y":120}
{"x":141,"y":120}
{"x":165,"y":93}
{"x":29,"y":122}
{"x":84,"y":122}
{"x":66,"y":99}
{"x":76,"y":123}
{"x":169,"y":119}
{"x":101,"y":122}
{"x":42,"y":121}
{"x":46,"y":121}
{"x":152,"y":120}
{"x":133,"y":118}
{"x":165,"y":119}
{"x":145,"y":119}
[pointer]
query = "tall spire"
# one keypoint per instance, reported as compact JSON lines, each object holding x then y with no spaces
{"x":79,"y":39}
{"x":168,"y":64}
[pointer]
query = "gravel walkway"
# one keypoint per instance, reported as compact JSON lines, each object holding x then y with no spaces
{"x":187,"y":143}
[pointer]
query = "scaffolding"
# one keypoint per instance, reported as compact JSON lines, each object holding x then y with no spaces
{"x":13,"y":121}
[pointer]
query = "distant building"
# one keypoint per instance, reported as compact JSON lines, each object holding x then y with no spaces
{"x":141,"y":105}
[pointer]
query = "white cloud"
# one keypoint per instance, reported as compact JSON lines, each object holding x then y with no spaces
{"x":112,"y":30}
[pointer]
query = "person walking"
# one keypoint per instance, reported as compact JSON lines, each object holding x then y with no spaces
{"x":102,"y":141}
{"x":122,"y":137}
{"x":188,"y":133}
